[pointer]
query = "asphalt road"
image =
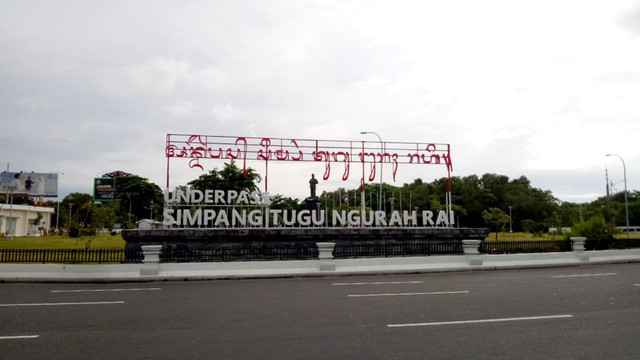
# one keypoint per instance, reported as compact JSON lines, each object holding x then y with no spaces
{"x":590,"y":312}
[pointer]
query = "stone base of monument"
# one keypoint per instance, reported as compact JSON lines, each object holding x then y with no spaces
{"x":196,"y":240}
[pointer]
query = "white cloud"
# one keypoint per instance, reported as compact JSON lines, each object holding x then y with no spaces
{"x":180,"y":109}
{"x":223,"y":112}
{"x":211,"y":78}
{"x":157,"y":77}
{"x":540,"y":89}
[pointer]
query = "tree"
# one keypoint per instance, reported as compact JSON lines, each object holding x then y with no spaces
{"x":229,"y":178}
{"x":286,"y":203}
{"x":136,"y":196}
{"x":104,"y":215}
{"x":495,"y":219}
{"x":77,"y":208}
{"x":116,"y":173}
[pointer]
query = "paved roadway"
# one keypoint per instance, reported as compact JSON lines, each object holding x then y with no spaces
{"x":590,"y":312}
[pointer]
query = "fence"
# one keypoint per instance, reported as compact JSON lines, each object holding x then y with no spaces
{"x":622,"y":243}
{"x":534,"y":246}
{"x":355,"y":250}
{"x":299,"y":251}
{"x":70,"y":256}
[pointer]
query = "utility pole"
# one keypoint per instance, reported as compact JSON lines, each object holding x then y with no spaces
{"x":606,"y":176}
{"x":626,"y":203}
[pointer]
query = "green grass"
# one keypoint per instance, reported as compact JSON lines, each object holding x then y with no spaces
{"x":506,"y":236}
{"x":105,"y":241}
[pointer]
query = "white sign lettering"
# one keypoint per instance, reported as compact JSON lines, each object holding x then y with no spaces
{"x":220,"y":209}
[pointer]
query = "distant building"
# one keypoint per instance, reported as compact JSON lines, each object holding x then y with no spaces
{"x":632,"y":229}
{"x":148,"y":224}
{"x":553,"y":230}
{"x":20,"y":220}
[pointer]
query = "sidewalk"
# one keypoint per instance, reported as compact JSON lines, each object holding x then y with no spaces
{"x":155,"y":271}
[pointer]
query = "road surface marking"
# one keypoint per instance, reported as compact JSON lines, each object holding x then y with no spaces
{"x":19,"y":337}
{"x":584,"y":275}
{"x":482,"y":321}
{"x":410,"y":294}
{"x":66,"y":303}
{"x":380,"y":283}
{"x":104,"y":290}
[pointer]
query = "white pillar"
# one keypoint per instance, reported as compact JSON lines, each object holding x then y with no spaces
{"x":325,"y":255}
{"x":151,"y":261}
{"x":470,"y":249}
{"x":577,"y":247}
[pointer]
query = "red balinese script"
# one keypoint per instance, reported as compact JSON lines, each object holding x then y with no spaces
{"x":340,"y":153}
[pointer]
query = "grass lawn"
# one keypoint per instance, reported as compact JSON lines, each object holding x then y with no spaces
{"x":105,"y":241}
{"x":505,"y":236}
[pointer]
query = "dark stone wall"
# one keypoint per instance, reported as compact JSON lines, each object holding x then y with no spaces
{"x":206,"y":238}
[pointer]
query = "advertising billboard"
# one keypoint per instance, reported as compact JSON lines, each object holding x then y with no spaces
{"x":104,"y":189}
{"x":29,"y":184}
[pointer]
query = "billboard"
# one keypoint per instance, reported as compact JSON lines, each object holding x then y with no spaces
{"x":29,"y":184}
{"x":104,"y":189}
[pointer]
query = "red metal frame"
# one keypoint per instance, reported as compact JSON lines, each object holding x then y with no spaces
{"x":242,"y":149}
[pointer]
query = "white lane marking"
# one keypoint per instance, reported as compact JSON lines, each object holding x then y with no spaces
{"x":104,"y":290}
{"x":584,"y":275}
{"x":379,"y":283}
{"x":410,"y":294}
{"x":66,"y":303}
{"x":19,"y":337}
{"x":483,"y":321}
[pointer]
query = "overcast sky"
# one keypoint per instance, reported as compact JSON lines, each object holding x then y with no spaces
{"x":543,"y":89}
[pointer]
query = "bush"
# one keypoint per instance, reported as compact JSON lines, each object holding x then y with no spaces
{"x":87,"y":232}
{"x":598,"y":233}
{"x":594,"y":229}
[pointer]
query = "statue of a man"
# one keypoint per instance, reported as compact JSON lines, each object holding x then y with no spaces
{"x":312,"y":185}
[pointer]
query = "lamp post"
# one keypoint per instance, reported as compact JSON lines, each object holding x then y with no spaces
{"x":381,"y":152}
{"x":510,"y":220}
{"x":626,"y":203}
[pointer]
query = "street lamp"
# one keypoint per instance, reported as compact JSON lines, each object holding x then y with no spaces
{"x":381,"y":152}
{"x":626,"y":204}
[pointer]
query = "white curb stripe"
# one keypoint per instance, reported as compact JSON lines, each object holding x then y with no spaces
{"x":584,"y":275}
{"x":66,"y":303}
{"x":410,"y":294}
{"x":379,"y":283}
{"x":482,"y":321}
{"x":19,"y":337}
{"x":104,"y":290}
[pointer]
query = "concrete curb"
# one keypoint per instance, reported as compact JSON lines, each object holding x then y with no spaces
{"x":299,"y":268}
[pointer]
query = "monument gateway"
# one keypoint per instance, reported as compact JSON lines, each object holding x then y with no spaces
{"x":197,"y":219}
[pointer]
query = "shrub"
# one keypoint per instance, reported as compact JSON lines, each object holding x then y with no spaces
{"x":595,"y":228}
{"x":599,"y":234}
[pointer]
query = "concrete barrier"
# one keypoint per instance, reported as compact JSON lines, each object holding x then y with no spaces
{"x":151,"y":270}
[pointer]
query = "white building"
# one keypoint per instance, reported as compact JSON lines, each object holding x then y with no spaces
{"x":20,"y":220}
{"x":148,"y":224}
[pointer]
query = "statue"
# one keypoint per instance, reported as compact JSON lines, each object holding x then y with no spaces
{"x":312,"y":184}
